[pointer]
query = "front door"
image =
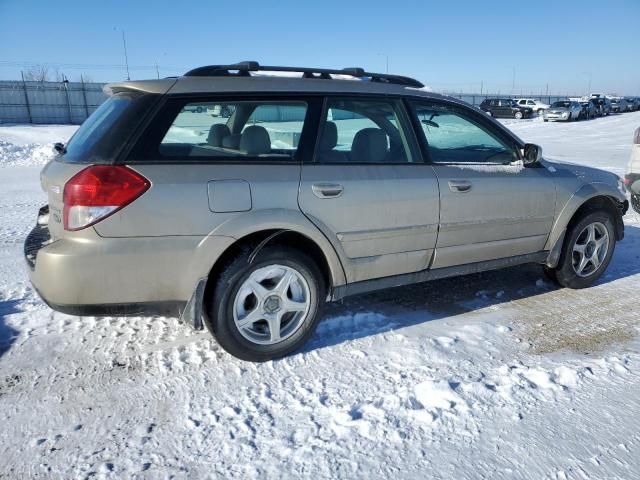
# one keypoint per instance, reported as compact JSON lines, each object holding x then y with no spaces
{"x":368,"y":190}
{"x":491,"y":205}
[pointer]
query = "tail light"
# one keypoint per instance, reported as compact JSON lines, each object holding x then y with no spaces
{"x":99,"y":191}
{"x":636,"y":136}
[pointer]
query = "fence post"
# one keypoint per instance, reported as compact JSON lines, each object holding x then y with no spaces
{"x":65,"y":83}
{"x":26,"y":97}
{"x":84,"y":95}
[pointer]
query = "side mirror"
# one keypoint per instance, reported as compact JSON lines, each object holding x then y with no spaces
{"x":532,"y":153}
{"x":59,"y":148}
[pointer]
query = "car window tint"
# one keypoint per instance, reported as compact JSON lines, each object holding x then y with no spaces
{"x":363,"y":131}
{"x":455,"y":136}
{"x":228,"y":130}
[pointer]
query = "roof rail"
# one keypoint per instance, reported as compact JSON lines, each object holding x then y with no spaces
{"x":242,"y":69}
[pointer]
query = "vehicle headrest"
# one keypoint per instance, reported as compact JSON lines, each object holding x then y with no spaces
{"x":216,"y":133}
{"x":369,"y":145}
{"x":329,"y":138}
{"x":255,"y":140}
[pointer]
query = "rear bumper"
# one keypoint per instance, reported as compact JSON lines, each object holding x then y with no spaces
{"x":555,"y":118}
{"x":92,"y":275}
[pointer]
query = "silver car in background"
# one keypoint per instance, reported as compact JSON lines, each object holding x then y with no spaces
{"x":242,"y":202}
{"x":563,"y":110}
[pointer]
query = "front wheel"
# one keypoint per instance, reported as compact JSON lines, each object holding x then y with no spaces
{"x":266,"y":308}
{"x":587,"y":251}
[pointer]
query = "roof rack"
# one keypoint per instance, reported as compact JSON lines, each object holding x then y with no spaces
{"x":242,"y":69}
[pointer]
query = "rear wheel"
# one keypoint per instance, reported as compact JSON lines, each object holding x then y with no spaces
{"x":587,"y":251}
{"x":268,"y":308}
{"x":517,"y":115}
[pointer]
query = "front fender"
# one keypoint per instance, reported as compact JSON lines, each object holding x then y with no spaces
{"x":585,"y":193}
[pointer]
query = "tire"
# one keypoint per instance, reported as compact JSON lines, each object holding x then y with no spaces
{"x":635,"y":202}
{"x":570,"y":117}
{"x":578,"y":238}
{"x":546,"y":120}
{"x":255,"y":341}
{"x":517,"y":115}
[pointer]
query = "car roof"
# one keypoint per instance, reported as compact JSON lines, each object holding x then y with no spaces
{"x":268,"y":84}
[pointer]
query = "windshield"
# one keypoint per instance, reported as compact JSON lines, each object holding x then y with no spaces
{"x":561,"y":104}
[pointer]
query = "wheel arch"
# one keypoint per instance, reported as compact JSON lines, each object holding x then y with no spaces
{"x":589,"y":198}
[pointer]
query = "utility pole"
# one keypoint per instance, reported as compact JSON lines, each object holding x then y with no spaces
{"x":126,"y":59}
{"x":481,"y":86}
{"x":513,"y":82}
{"x":157,"y":70}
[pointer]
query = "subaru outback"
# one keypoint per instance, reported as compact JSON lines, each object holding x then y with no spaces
{"x":311,"y":187}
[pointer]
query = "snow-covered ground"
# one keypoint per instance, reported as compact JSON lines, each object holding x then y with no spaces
{"x":494,"y":375}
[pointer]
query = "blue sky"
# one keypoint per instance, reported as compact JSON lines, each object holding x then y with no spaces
{"x":449,"y":45}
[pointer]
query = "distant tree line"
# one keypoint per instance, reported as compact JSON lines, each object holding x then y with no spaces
{"x":42,"y":73}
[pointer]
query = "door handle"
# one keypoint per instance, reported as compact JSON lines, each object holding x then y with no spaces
{"x":327,"y":190}
{"x":460,"y":186}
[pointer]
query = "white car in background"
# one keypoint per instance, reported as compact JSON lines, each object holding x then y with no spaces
{"x":536,"y":105}
{"x":632,"y":177}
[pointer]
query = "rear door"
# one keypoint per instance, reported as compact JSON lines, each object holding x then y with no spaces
{"x":368,"y":190}
{"x":491,"y":206}
{"x":211,"y":159}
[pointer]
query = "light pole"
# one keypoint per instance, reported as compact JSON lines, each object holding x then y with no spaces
{"x":386,"y":62}
{"x":124,"y":46}
{"x":126,"y":58}
{"x":590,"y":78}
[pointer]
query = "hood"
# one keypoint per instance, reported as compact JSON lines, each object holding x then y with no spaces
{"x":583,"y":173}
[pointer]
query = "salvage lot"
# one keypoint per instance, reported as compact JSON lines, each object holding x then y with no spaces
{"x":499,"y":374}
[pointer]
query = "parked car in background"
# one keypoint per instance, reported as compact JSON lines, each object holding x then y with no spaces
{"x":536,"y":105}
{"x":618,"y":105}
{"x":505,"y":108}
{"x":151,"y":210}
{"x":589,"y":110}
{"x":602,"y":103}
{"x":632,"y":177}
{"x":563,"y":110}
{"x":633,"y":104}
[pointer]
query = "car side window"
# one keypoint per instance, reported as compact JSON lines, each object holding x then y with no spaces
{"x":360,"y":130}
{"x":531,"y":102}
{"x":225,"y":131}
{"x":455,"y":135}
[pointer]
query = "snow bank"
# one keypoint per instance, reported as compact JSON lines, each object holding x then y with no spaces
{"x":31,"y":145}
{"x":32,"y":154}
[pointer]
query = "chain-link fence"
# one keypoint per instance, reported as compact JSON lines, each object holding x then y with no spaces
{"x":73,"y":102}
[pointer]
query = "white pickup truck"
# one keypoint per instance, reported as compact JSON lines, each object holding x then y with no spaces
{"x":537,"y":106}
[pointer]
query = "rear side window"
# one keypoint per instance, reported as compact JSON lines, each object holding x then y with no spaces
{"x":108,"y":128}
{"x":226,"y":131}
{"x":457,"y":136}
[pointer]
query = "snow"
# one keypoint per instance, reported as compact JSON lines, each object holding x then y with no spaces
{"x":25,"y":145}
{"x":493,"y":375}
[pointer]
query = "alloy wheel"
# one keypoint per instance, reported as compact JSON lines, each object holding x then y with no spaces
{"x":271,"y":304}
{"x":590,"y":249}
